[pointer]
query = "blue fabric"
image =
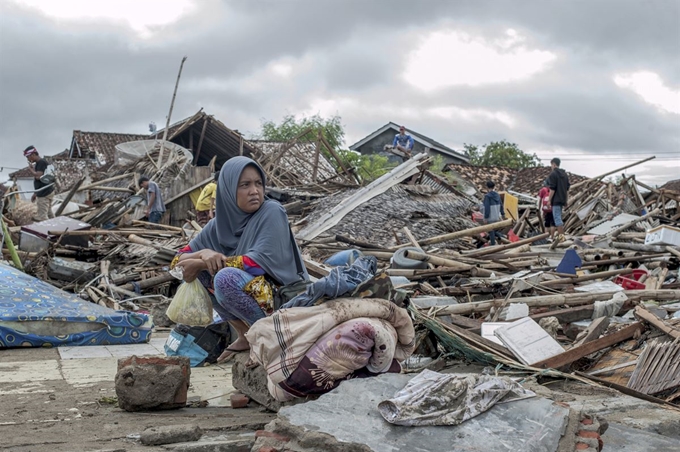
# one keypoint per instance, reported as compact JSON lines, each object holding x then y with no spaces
{"x":569,"y":263}
{"x":557,"y":215}
{"x":179,"y":345}
{"x":339,"y":281}
{"x":346,"y":257}
{"x":405,"y":141}
{"x":24,"y":298}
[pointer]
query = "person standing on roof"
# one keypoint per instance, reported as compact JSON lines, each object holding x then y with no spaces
{"x":558,"y":183}
{"x":154,"y":200}
{"x":205,"y":206}
{"x":44,"y":188}
{"x":403,"y":142}
{"x":545,"y":209}
{"x":493,"y":209}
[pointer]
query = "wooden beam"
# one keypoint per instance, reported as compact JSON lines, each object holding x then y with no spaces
{"x":496,"y":249}
{"x":594,"y":330}
{"x":571,"y":299}
{"x":576,"y":353}
{"x":188,"y":190}
{"x":457,"y":235}
{"x":206,"y":120}
{"x":68,"y":197}
{"x":644,"y":314}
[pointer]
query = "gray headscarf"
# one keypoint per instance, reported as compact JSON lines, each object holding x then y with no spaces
{"x":264,"y":236}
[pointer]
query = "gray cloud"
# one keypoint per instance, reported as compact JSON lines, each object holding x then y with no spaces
{"x":60,"y":76}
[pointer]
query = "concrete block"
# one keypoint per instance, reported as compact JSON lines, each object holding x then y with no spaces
{"x":152,"y":382}
{"x":252,"y":382}
{"x":169,"y":434}
{"x":346,"y":419}
{"x":231,"y":442}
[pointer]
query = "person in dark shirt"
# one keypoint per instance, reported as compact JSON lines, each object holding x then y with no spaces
{"x":493,"y":209}
{"x":44,"y":191}
{"x":558,"y":183}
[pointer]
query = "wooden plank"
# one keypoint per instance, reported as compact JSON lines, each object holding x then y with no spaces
{"x":316,"y":269}
{"x":66,"y":200}
{"x":577,"y":353}
{"x":189,"y":190}
{"x":644,"y":314}
{"x":594,"y":330}
{"x":460,"y":234}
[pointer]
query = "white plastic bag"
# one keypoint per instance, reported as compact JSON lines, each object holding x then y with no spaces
{"x":191,"y":305}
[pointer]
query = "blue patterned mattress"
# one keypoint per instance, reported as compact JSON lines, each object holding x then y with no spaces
{"x":36,"y":314}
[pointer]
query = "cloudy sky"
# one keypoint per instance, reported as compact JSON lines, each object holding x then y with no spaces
{"x":596,"y":82}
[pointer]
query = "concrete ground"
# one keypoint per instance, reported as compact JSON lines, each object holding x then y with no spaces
{"x":60,"y":400}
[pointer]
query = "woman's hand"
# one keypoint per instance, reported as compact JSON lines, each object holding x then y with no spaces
{"x":191,"y":268}
{"x":213,"y":260}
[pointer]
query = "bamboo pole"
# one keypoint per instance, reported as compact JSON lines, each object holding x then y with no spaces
{"x":167,"y":123}
{"x":574,"y":299}
{"x":496,"y":249}
{"x":579,"y":279}
{"x":456,"y":235}
{"x":10,"y":245}
{"x":437,"y":260}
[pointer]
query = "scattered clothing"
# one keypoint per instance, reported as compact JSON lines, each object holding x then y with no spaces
{"x":405,"y":141}
{"x":281,"y":342}
{"x":569,"y":263}
{"x":558,"y":181}
{"x":431,"y":398}
{"x":340,"y":281}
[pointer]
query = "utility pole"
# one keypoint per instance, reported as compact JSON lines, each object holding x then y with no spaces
{"x":167,"y":124}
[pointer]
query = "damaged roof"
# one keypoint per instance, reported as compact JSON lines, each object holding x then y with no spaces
{"x":526,"y":180}
{"x":207,"y":137}
{"x":100,"y":146}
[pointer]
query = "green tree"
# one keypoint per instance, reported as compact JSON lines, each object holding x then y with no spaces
{"x":368,"y":167}
{"x":291,"y":127}
{"x":501,"y":153}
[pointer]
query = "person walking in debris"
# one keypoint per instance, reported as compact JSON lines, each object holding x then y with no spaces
{"x":205,"y":206}
{"x":154,"y":199}
{"x":493,"y":209}
{"x":403,"y":142}
{"x":545,"y":209}
{"x":245,"y":252}
{"x":558,"y":183}
{"x":43,"y":183}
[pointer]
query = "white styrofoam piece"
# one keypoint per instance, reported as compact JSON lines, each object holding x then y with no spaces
{"x":489,"y":327}
{"x":514,"y":311}
{"x":663,"y":235}
{"x":597,"y":287}
{"x":612,"y":224}
{"x":528,"y":341}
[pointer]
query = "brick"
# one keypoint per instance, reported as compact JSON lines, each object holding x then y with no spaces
{"x":267,"y":449}
{"x":238,"y":400}
{"x":587,"y":434}
{"x":267,"y":434}
{"x":582,"y":446}
{"x":152,"y":383}
{"x":587,"y":421}
{"x":591,"y":427}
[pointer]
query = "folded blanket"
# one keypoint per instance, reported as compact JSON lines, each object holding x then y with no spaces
{"x":432,"y":398}
{"x":282,"y":341}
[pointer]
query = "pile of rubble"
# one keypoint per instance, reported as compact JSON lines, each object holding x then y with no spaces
{"x":602,"y":307}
